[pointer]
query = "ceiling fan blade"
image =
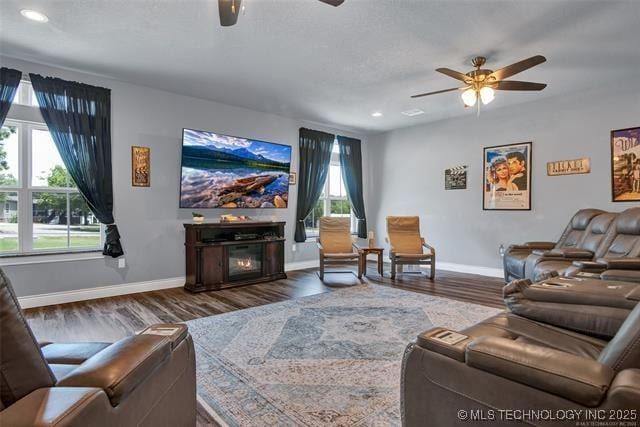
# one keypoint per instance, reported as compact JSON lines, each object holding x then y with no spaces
{"x":515,"y":85}
{"x":335,"y":3}
{"x":436,"y":92}
{"x":455,"y":74}
{"x":518,"y":67}
{"x":229,"y":11}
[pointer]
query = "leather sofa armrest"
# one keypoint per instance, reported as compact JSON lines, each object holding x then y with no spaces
{"x":539,"y":245}
{"x":568,"y":253}
{"x":455,"y":351}
{"x":121,"y":367}
{"x":59,"y":406}
{"x":621,"y":263}
{"x":174,"y":332}
{"x":634,"y":294}
{"x":584,"y":381}
{"x":624,"y":392}
{"x":590,"y":266}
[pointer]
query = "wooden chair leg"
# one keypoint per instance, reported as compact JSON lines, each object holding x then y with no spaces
{"x":321,"y":269}
{"x":433,"y":268}
{"x":393,"y":269}
{"x":360,"y":267}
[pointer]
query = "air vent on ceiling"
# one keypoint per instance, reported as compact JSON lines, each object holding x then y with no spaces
{"x":413,"y":112}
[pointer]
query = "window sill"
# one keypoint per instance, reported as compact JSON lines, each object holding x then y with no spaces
{"x":50,"y":257}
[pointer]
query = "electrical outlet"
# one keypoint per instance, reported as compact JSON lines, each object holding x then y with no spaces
{"x":122,"y":263}
{"x":294,"y":247}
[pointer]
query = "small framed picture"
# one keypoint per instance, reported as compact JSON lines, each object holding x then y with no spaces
{"x":625,"y":165}
{"x":140,"y":166}
{"x":455,"y":178}
{"x":293,"y":178}
{"x":507,"y":177}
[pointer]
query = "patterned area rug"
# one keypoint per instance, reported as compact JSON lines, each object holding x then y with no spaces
{"x":326,"y":360}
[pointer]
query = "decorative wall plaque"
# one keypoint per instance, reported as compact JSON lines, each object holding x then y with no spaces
{"x":569,"y":167}
{"x":140,"y":166}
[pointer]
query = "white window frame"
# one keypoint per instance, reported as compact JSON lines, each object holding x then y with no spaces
{"x":22,"y":115}
{"x":326,"y":197}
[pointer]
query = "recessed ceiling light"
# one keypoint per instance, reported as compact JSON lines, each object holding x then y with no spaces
{"x":413,"y":112}
{"x":376,"y":114}
{"x":33,"y":15}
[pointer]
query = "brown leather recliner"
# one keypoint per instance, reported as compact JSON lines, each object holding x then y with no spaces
{"x":509,"y":366}
{"x":620,"y":258}
{"x":142,"y":380}
{"x":515,"y":256}
{"x":593,"y":243}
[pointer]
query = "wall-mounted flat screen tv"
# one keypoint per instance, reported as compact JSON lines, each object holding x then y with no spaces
{"x":221,"y":171}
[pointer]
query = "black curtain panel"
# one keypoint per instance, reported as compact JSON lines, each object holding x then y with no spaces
{"x":79,"y":120}
{"x":351,"y":165}
{"x":9,"y":81}
{"x":315,"y":155}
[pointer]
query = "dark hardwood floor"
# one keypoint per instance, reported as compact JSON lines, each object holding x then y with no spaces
{"x":109,"y":319}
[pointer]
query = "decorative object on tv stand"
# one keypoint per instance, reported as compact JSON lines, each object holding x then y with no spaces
{"x":625,"y":165}
{"x":197,"y":218}
{"x":140,"y":166}
{"x":455,"y":178}
{"x":507,"y":177}
{"x":569,"y":167}
{"x":293,"y":178}
{"x":233,"y":218}
{"x":221,"y":171}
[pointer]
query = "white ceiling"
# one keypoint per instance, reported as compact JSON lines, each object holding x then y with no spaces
{"x":308,"y":60}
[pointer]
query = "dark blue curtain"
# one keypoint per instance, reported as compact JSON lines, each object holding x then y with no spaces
{"x":9,"y":81}
{"x":79,"y":120}
{"x":351,"y":165}
{"x":315,"y":156}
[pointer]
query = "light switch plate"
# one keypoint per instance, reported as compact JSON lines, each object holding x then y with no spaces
{"x":122,"y":263}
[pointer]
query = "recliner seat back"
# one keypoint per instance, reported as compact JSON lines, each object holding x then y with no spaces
{"x":623,"y":351}
{"x":574,"y":232}
{"x":624,"y":238}
{"x":23,"y":368}
{"x":597,"y":231}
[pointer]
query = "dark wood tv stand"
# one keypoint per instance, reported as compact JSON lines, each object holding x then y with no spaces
{"x":221,"y":255}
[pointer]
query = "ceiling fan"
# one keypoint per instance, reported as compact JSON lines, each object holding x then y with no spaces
{"x":482,"y":83}
{"x":229,"y":10}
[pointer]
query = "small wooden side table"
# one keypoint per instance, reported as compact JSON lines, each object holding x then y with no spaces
{"x":366,"y":250}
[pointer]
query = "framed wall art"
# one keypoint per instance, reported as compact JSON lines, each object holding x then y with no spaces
{"x":507,"y":177}
{"x":140,"y":166}
{"x":455,"y":178}
{"x":569,"y":167}
{"x":625,"y":165}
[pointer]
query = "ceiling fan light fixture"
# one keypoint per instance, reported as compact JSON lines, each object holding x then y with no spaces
{"x":487,"y":95}
{"x":469,"y":97}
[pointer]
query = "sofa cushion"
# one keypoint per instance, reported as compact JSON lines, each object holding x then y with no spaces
{"x":546,"y":267}
{"x":71,"y":353}
{"x":514,"y":327}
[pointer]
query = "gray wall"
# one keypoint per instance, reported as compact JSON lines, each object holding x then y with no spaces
{"x":407,"y":171}
{"x":149,"y":219}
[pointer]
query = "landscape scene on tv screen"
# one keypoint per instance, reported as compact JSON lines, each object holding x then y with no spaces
{"x":221,"y":171}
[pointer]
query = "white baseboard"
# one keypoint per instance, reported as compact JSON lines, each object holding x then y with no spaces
{"x":98,"y":292}
{"x":471,"y":269}
{"x":63,"y":297}
{"x":301,"y":265}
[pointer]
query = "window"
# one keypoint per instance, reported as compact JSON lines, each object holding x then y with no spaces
{"x":333,"y":201}
{"x":42,"y":208}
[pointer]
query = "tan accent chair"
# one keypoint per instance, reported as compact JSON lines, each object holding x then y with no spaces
{"x":407,"y":244}
{"x":337,"y":245}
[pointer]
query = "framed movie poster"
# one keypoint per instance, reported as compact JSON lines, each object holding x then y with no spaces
{"x":625,"y":165}
{"x":140,"y":166}
{"x":455,"y":178}
{"x":507,"y":177}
